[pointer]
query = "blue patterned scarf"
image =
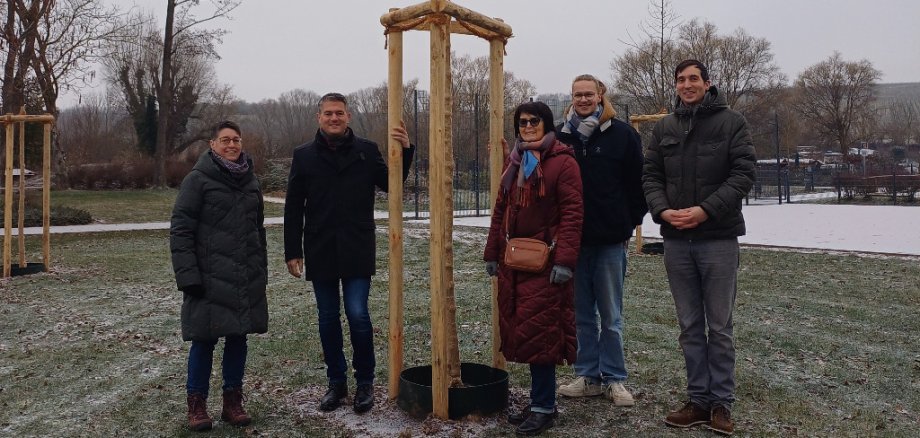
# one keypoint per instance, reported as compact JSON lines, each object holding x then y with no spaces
{"x":583,"y":126}
{"x":524,"y":171}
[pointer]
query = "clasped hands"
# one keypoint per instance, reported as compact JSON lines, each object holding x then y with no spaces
{"x":685,"y":218}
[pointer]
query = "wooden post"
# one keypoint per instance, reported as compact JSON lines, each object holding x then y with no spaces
{"x":46,"y":198}
{"x":8,"y":199}
{"x":635,"y":121}
{"x":9,"y":122}
{"x":441,"y":199}
{"x":22,"y":190}
{"x":394,"y":155}
{"x":496,"y":162}
{"x":445,"y":354}
{"x":639,"y":243}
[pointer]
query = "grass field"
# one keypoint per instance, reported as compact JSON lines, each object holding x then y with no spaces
{"x":827,"y":346}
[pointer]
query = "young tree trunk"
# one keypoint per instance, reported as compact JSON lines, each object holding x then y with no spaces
{"x":164,"y":98}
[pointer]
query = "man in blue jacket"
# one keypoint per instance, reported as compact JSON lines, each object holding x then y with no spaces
{"x":329,"y":238}
{"x":609,"y":154}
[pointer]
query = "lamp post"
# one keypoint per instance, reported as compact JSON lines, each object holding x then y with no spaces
{"x":779,"y":182}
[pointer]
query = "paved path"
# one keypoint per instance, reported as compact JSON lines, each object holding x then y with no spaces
{"x":874,"y":229}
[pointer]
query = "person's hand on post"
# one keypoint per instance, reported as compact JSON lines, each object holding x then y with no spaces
{"x":400,"y":134}
{"x":505,"y":150}
{"x":295,"y":267}
{"x":560,"y":274}
{"x":492,"y":268}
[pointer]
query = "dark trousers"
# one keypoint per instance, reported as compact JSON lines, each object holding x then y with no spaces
{"x":542,"y":388}
{"x":201,"y":358}
{"x":354,"y":294}
{"x":703,"y":279}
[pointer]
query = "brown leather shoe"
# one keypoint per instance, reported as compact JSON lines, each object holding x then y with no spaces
{"x":233,"y":411}
{"x":198,"y":419}
{"x":688,"y":416}
{"x":721,"y":422}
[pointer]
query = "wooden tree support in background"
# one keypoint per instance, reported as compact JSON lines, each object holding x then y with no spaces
{"x":635,"y":121}
{"x":10,"y":123}
{"x":440,"y":18}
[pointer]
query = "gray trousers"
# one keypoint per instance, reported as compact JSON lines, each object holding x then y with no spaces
{"x":703,"y":278}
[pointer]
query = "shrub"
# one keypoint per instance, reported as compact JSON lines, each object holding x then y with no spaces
{"x":32,"y":216}
{"x":274,"y":179}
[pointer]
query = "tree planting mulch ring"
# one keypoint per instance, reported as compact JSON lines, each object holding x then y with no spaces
{"x":485,"y":391}
{"x":656,"y":248}
{"x":28,"y":269}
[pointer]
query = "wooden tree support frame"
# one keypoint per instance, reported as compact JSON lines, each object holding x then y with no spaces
{"x":12,"y":122}
{"x":635,"y":121}
{"x":440,"y":18}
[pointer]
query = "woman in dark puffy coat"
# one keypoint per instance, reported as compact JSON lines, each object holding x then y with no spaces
{"x":540,"y":198}
{"x":217,"y":239}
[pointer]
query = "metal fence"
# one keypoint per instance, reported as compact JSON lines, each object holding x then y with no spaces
{"x":880,"y":184}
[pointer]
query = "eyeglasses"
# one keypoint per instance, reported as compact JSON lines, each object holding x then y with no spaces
{"x":227,"y":140}
{"x":579,"y":96}
{"x":532,"y":122}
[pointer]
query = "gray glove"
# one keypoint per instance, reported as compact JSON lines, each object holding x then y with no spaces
{"x":560,"y":274}
{"x":492,"y":268}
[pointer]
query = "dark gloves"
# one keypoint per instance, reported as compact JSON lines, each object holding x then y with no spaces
{"x":492,"y":268}
{"x":560,"y":274}
{"x":195,"y":290}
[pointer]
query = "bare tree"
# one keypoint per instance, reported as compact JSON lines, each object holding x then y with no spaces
{"x":643,"y":73}
{"x":902,"y":121}
{"x":93,"y":131}
{"x":48,"y":46}
{"x":134,"y":67}
{"x":836,"y":96}
{"x":639,"y":76}
{"x":369,"y":112}
{"x":54,"y":43}
{"x":174,"y":29}
{"x":742,"y":64}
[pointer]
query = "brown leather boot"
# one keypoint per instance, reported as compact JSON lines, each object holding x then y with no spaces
{"x":233,"y":411}
{"x":198,"y":419}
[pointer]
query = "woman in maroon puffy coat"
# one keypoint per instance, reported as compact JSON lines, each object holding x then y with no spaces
{"x":540,"y":198}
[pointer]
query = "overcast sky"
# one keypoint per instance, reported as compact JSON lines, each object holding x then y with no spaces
{"x":279,"y":45}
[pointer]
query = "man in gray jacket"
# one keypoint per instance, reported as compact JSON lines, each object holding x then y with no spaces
{"x":698,"y":168}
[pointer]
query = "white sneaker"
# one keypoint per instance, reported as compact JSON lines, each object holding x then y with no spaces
{"x":618,"y":394}
{"x":581,"y":387}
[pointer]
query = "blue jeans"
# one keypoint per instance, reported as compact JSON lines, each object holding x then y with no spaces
{"x":355,"y":292}
{"x":201,"y":358}
{"x":703,"y":278}
{"x":599,"y":281}
{"x":543,"y":388}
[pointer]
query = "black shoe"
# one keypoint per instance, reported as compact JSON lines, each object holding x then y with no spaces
{"x":518,"y":418}
{"x":334,"y":396}
{"x":364,"y":398}
{"x":535,"y":424}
